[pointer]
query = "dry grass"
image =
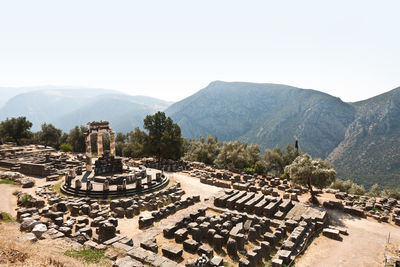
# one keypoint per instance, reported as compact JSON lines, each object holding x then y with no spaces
{"x":16,"y":252}
{"x":57,"y":188}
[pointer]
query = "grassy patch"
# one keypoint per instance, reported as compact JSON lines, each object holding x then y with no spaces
{"x":24,"y":199}
{"x":57,"y":188}
{"x":6,"y":217}
{"x":87,"y":255}
{"x":7,"y":181}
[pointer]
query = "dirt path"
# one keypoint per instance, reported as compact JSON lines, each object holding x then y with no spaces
{"x":364,"y":246}
{"x":8,"y":202}
{"x":192,"y":185}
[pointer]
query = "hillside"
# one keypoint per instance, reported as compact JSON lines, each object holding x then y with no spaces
{"x":361,"y":139}
{"x":267,"y":114}
{"x":370,"y":151}
{"x":67,"y":108}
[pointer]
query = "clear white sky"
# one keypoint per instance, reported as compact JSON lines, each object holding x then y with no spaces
{"x":171,"y":49}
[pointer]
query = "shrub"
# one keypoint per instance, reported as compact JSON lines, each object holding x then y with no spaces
{"x":356,"y":189}
{"x":248,"y":170}
{"x":348,"y":187}
{"x":391,"y":193}
{"x":23,"y":200}
{"x":6,"y":217}
{"x":374,"y":191}
{"x":259,"y":167}
{"x":66,"y":148}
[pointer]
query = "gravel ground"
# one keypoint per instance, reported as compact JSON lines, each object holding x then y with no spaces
{"x":364,"y":246}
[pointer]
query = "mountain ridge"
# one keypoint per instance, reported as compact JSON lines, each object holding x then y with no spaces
{"x":359,"y":138}
{"x":69,"y":107}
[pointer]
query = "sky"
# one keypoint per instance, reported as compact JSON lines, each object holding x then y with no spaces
{"x":171,"y":49}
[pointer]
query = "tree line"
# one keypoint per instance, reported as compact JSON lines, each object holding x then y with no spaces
{"x":161,"y":138}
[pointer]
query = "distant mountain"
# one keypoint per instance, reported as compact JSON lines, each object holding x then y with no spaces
{"x":361,"y":139}
{"x":69,"y":107}
{"x":370,"y":151}
{"x":267,"y":114}
{"x":9,"y":92}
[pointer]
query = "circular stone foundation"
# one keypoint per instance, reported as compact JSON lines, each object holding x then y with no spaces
{"x":113,"y":192}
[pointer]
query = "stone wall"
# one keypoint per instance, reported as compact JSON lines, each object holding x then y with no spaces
{"x":34,"y":169}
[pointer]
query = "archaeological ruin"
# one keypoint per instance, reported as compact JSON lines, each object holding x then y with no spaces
{"x":175,"y":213}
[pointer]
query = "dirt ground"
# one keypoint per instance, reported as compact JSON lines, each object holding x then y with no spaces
{"x":14,"y":252}
{"x":192,"y":186}
{"x":8,"y":202}
{"x":364,"y":246}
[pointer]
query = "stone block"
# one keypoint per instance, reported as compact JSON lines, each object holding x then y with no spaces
{"x":190,"y":245}
{"x":150,"y":245}
{"x":277,"y":262}
{"x":181,"y":235}
{"x":331,"y":233}
{"x":231,"y":247}
{"x":39,"y":230}
{"x":169,"y":231}
{"x":205,"y":249}
{"x":121,"y":246}
{"x":172,"y":253}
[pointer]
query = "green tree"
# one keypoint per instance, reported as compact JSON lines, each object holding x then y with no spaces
{"x":50,"y":135}
{"x":77,"y":138}
{"x":164,"y":138}
{"x":311,"y":172}
{"x":15,"y":129}
{"x":204,"y":150}
{"x":276,"y":159}
{"x":374,"y":191}
{"x":63,"y":138}
{"x":66,"y":148}
{"x":237,"y":155}
{"x":260,"y":167}
{"x":121,"y":138}
{"x":136,"y":144}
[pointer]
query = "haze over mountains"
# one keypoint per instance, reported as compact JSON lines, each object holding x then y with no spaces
{"x":66,"y":108}
{"x":360,"y":138}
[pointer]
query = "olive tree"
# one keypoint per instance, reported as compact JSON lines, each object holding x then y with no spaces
{"x":15,"y":129}
{"x":311,"y":172}
{"x":50,"y":135}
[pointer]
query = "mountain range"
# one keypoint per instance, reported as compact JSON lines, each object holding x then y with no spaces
{"x":66,"y":108}
{"x":360,"y":138}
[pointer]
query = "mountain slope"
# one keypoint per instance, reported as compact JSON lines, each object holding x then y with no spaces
{"x":267,"y":114}
{"x":124,"y":112}
{"x":67,"y":108}
{"x":370,"y":151}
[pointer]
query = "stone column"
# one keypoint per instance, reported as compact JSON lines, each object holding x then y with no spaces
{"x":99,"y":145}
{"x":88,"y":154}
{"x":138,"y":183}
{"x":112,"y":143}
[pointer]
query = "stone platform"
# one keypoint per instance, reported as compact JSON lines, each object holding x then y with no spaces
{"x":97,"y":191}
